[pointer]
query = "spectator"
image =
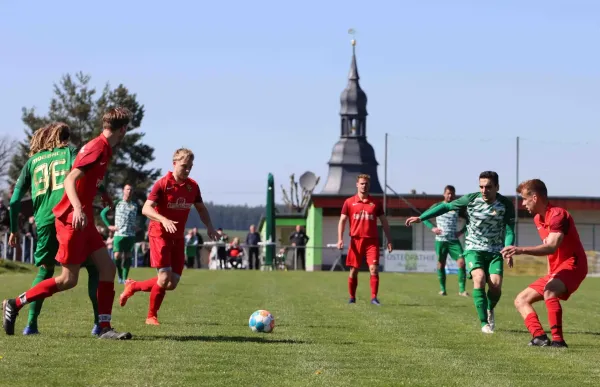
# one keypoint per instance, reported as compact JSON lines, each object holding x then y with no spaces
{"x":199,"y":249}
{"x":235,"y":254}
{"x":222,"y":248}
{"x":252,"y":240}
{"x":191,"y":248}
{"x":30,"y":235}
{"x":299,"y":240}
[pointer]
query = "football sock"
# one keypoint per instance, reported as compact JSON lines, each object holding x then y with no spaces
{"x":462,"y":279}
{"x":93,"y":280}
{"x":36,"y":306}
{"x":441,"y":274}
{"x":532,"y":322}
{"x":374,"y":285}
{"x":144,"y":286}
{"x":106,"y":297}
{"x":126,"y":267}
{"x":493,"y":297}
{"x":119,"y":265}
{"x":156,"y":298}
{"x":555,"y":318}
{"x":44,"y":289}
{"x":481,"y":305}
{"x":352,"y":284}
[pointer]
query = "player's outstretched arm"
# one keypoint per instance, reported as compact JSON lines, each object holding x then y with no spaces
{"x":149,"y":211}
{"x":205,"y":218}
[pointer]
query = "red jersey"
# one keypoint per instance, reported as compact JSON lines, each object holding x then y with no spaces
{"x":174,"y":201}
{"x":235,"y":251}
{"x":559,"y":220}
{"x":363,"y":216}
{"x":93,"y":159}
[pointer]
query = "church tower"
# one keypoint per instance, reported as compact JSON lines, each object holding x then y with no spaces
{"x":352,"y":154}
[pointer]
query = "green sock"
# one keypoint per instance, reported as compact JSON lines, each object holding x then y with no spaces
{"x":493,"y":298}
{"x":442,"y":278}
{"x":462,"y":279}
{"x":126,"y":266}
{"x":481,"y":305}
{"x":119,"y":264}
{"x":93,"y":280}
{"x":36,"y":306}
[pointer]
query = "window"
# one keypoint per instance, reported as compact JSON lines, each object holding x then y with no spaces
{"x":402,"y":237}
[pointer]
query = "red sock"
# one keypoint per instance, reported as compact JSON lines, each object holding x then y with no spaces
{"x":352,"y":284}
{"x":144,"y":286}
{"x":532,"y":322}
{"x":156,"y":298}
{"x":555,"y":318}
{"x":106,"y":297}
{"x":40,"y":291}
{"x":374,"y":285}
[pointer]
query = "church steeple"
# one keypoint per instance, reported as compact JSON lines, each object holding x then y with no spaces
{"x":354,"y":103}
{"x":352,"y":154}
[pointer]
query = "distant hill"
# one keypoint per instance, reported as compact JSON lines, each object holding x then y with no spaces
{"x":230,"y":217}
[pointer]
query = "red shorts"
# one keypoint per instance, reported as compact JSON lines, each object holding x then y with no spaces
{"x":363,"y":248}
{"x":570,"y":275}
{"x":75,"y":246}
{"x":166,"y":253}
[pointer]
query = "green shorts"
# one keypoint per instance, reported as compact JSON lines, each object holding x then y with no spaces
{"x":46,"y":247}
{"x":452,"y":248}
{"x":123,"y":244}
{"x":491,"y":263}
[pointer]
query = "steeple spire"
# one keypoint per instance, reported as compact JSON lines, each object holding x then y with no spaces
{"x":352,"y":154}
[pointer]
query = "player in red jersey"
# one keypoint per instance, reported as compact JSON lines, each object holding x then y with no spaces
{"x":168,"y":207}
{"x":567,"y":263}
{"x":77,"y":236}
{"x":362,"y":213}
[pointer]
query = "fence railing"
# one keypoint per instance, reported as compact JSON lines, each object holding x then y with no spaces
{"x":288,"y":257}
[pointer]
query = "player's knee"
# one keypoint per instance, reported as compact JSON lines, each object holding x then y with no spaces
{"x":66,"y":282}
{"x":353,"y":272}
{"x":520,"y":301}
{"x":550,"y":293}
{"x":441,"y":265}
{"x":460,"y":263}
{"x":373,"y":269}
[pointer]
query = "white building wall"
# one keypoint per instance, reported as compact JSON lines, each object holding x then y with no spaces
{"x":587,"y":222}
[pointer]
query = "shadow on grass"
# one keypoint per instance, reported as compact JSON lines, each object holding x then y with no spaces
{"x":231,"y":339}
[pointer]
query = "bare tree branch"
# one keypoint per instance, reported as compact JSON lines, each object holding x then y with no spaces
{"x":7,"y":147}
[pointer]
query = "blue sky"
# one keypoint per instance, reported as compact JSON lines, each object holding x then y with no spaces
{"x":253,"y":87}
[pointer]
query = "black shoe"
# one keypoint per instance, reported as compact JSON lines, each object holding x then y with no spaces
{"x":9,"y":315}
{"x":539,"y":341}
{"x":111,"y":334}
{"x":559,"y":344}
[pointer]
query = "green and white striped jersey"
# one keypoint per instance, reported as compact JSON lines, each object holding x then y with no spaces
{"x":490,"y":226}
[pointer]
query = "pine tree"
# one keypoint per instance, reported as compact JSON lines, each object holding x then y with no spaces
{"x":76,"y":104}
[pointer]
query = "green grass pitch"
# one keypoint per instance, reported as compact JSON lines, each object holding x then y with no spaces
{"x":415,"y":338}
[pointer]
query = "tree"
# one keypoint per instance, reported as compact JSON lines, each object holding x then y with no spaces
{"x":76,"y":104}
{"x":7,"y":146}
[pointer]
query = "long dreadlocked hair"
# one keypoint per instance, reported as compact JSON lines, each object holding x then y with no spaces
{"x":59,"y":135}
{"x":38,"y":140}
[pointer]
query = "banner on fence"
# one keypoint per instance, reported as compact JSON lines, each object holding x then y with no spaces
{"x":410,"y":261}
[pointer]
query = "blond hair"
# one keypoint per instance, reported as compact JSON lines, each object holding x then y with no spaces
{"x":363,"y":176}
{"x":38,"y":140}
{"x":116,"y":118}
{"x":183,"y":154}
{"x":58,"y":136}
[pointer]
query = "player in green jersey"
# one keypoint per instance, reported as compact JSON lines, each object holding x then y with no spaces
{"x":447,"y":242}
{"x":49,"y":163}
{"x":490,"y":227}
{"x":125,"y":227}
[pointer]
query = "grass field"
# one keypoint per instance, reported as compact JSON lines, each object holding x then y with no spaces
{"x":415,"y":338}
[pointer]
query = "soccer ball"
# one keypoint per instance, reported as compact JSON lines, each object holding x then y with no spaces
{"x":262,"y":321}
